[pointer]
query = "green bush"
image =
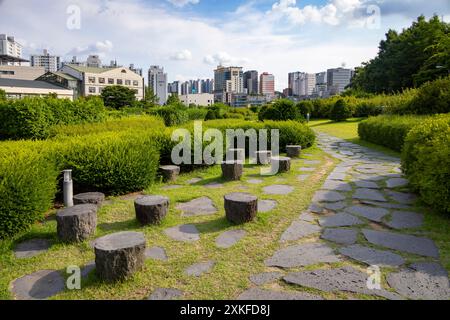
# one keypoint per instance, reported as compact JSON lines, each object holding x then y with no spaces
{"x":340,"y":111}
{"x":432,"y":98}
{"x":426,"y":161}
{"x":172,"y":116}
{"x":28,"y":177}
{"x":2,"y":95}
{"x":367,"y":109}
{"x":388,"y":131}
{"x":305,"y":107}
{"x":118,"y":97}
{"x":281,"y":110}
{"x":197,"y":113}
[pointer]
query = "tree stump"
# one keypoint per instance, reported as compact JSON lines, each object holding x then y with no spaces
{"x":169,"y":173}
{"x":241,"y":207}
{"x":119,"y":255}
{"x":263,"y":157}
{"x":282,"y":163}
{"x":293,"y":151}
{"x":96,"y":198}
{"x":232,"y":170}
{"x":235,"y":155}
{"x":151,"y":209}
{"x":77,"y":223}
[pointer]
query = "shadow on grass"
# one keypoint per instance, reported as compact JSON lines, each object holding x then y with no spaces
{"x":353,"y":120}
{"x":119,"y":226}
{"x":213,"y":226}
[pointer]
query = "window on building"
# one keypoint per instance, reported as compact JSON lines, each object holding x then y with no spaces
{"x":119,"y":82}
{"x":91,"y":79}
{"x":101,"y":80}
{"x":100,"y":90}
{"x":128,"y":82}
{"x":110,"y":81}
{"x":135,"y":83}
{"x":92,"y":90}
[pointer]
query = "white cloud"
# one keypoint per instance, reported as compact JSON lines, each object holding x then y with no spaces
{"x":102,"y":48}
{"x":183,"y":55}
{"x":182,"y":3}
{"x":224,"y":58}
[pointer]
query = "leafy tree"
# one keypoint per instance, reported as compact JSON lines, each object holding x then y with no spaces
{"x":118,"y":97}
{"x":281,"y":110}
{"x":150,"y":99}
{"x":2,"y":95}
{"x":305,"y":107}
{"x":340,"y":111}
{"x":174,"y":100}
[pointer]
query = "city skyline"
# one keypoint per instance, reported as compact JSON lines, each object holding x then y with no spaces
{"x":267,"y":35}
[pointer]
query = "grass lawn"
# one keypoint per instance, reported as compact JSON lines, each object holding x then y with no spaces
{"x":233,"y":266}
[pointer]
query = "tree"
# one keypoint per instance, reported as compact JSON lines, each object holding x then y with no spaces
{"x":340,"y":111}
{"x":150,"y":99}
{"x":174,"y":100}
{"x":118,"y":97}
{"x":281,"y":110}
{"x":305,"y":107}
{"x":2,"y":95}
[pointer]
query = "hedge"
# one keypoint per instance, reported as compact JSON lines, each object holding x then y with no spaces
{"x":388,"y":131}
{"x":172,"y":116}
{"x":426,"y":161}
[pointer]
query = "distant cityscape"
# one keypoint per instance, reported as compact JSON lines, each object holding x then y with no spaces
{"x":45,"y":73}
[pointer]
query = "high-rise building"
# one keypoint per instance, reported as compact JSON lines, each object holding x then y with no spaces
{"x":136,"y":70}
{"x":10,"y":51}
{"x":227,"y":81}
{"x":338,"y":79}
{"x":310,"y":83}
{"x":157,"y":80}
{"x":208,"y":86}
{"x":174,"y":87}
{"x":294,"y":80}
{"x":267,"y":84}
{"x":251,"y":82}
{"x":93,"y":61}
{"x":48,"y":62}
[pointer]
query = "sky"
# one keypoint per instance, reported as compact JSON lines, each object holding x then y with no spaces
{"x":189,"y":38}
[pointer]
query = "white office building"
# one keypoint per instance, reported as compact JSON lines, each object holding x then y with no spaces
{"x":157,"y":80}
{"x":338,"y":79}
{"x":48,"y":62}
{"x":10,"y":51}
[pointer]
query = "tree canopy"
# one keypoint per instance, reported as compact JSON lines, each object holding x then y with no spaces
{"x":118,"y":97}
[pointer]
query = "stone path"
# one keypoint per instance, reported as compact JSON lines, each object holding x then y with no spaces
{"x":364,"y":217}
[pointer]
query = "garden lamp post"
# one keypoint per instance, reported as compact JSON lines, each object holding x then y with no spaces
{"x":68,"y":188}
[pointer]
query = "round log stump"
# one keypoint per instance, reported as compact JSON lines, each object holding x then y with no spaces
{"x":151,"y":209}
{"x":119,"y":255}
{"x":241,"y":207}
{"x":293,"y":151}
{"x":232,"y":170}
{"x":282,"y":163}
{"x":169,"y":173}
{"x":76,"y":224}
{"x":96,"y":198}
{"x":235,"y":155}
{"x":263,"y":157}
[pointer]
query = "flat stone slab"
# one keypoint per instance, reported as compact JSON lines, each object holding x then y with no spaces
{"x":198,"y":207}
{"x":298,"y":230}
{"x":265,"y":278}
{"x":198,"y":269}
{"x":423,"y":281}
{"x":340,"y":236}
{"x":307,"y":216}
{"x":386,"y":205}
{"x":312,"y":162}
{"x":370,"y":213}
{"x":335,"y":206}
{"x":31,"y":248}
{"x":213,"y":185}
{"x":96,"y":198}
{"x":156,"y":253}
{"x":194,"y":180}
{"x":315,"y":208}
{"x":278,"y":189}
{"x":40,"y":285}
{"x":302,"y":255}
{"x":405,"y":220}
{"x":342,"y":279}
{"x":371,"y":256}
{"x":255,"y":181}
{"x":165,"y":294}
{"x":307,"y":169}
{"x":229,"y":238}
{"x":303,"y":177}
{"x":402,"y":242}
{"x":369,"y":194}
{"x":340,"y":220}
{"x":266,"y":205}
{"x":401,"y":197}
{"x":184,"y":233}
{"x":328,"y":196}
{"x":257,"y":294}
{"x":87,"y":269}
{"x":397,"y":182}
{"x":337,"y":176}
{"x":367,"y":184}
{"x":337,"y":186}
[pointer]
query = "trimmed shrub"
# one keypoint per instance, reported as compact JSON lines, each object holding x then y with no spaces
{"x":367,"y":109}
{"x":432,"y":98}
{"x":28,"y":177}
{"x":340,"y":111}
{"x":118,"y":97}
{"x":388,"y":131}
{"x":172,"y":116}
{"x":281,"y":110}
{"x":426,"y":161}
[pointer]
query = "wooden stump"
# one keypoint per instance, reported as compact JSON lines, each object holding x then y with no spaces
{"x":232,"y":170}
{"x":293,"y":151}
{"x":282,"y":163}
{"x":76,"y":224}
{"x":169,"y":173}
{"x":235,"y":155}
{"x":96,"y":198}
{"x":241,"y":207}
{"x":119,"y":255}
{"x":151,"y":209}
{"x":263,"y":157}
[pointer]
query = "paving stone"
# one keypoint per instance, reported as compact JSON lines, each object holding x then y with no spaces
{"x":337,"y":176}
{"x":402,"y":242}
{"x":334,"y":205}
{"x":424,"y":281}
{"x":386,"y":205}
{"x":369,"y":194}
{"x":198,"y":269}
{"x":298,"y":230}
{"x":265,"y":278}
{"x":198,"y":207}
{"x":342,"y":169}
{"x":185,"y":233}
{"x":302,"y":255}
{"x":342,"y":279}
{"x":214,"y":185}
{"x":401,"y":197}
{"x":165,"y":294}
{"x":303,"y":177}
{"x":370,"y":213}
{"x":328,"y":196}
{"x":312,"y":162}
{"x":40,"y":285}
{"x":340,"y":220}
{"x":367,"y":184}
{"x":307,"y":216}
{"x":278,"y":189}
{"x":255,"y":181}
{"x":307,"y":169}
{"x":405,"y":220}
{"x":337,"y":186}
{"x":172,"y":187}
{"x":31,"y":248}
{"x":87,"y":269}
{"x":340,"y":236}
{"x":194,"y":180}
{"x":258,"y":294}
{"x":371,"y":256}
{"x":315,"y":208}
{"x":229,"y":238}
{"x":397,"y":182}
{"x":156,"y":253}
{"x":266,"y":205}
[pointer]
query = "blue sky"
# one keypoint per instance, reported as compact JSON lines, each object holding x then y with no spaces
{"x":189,"y":38}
